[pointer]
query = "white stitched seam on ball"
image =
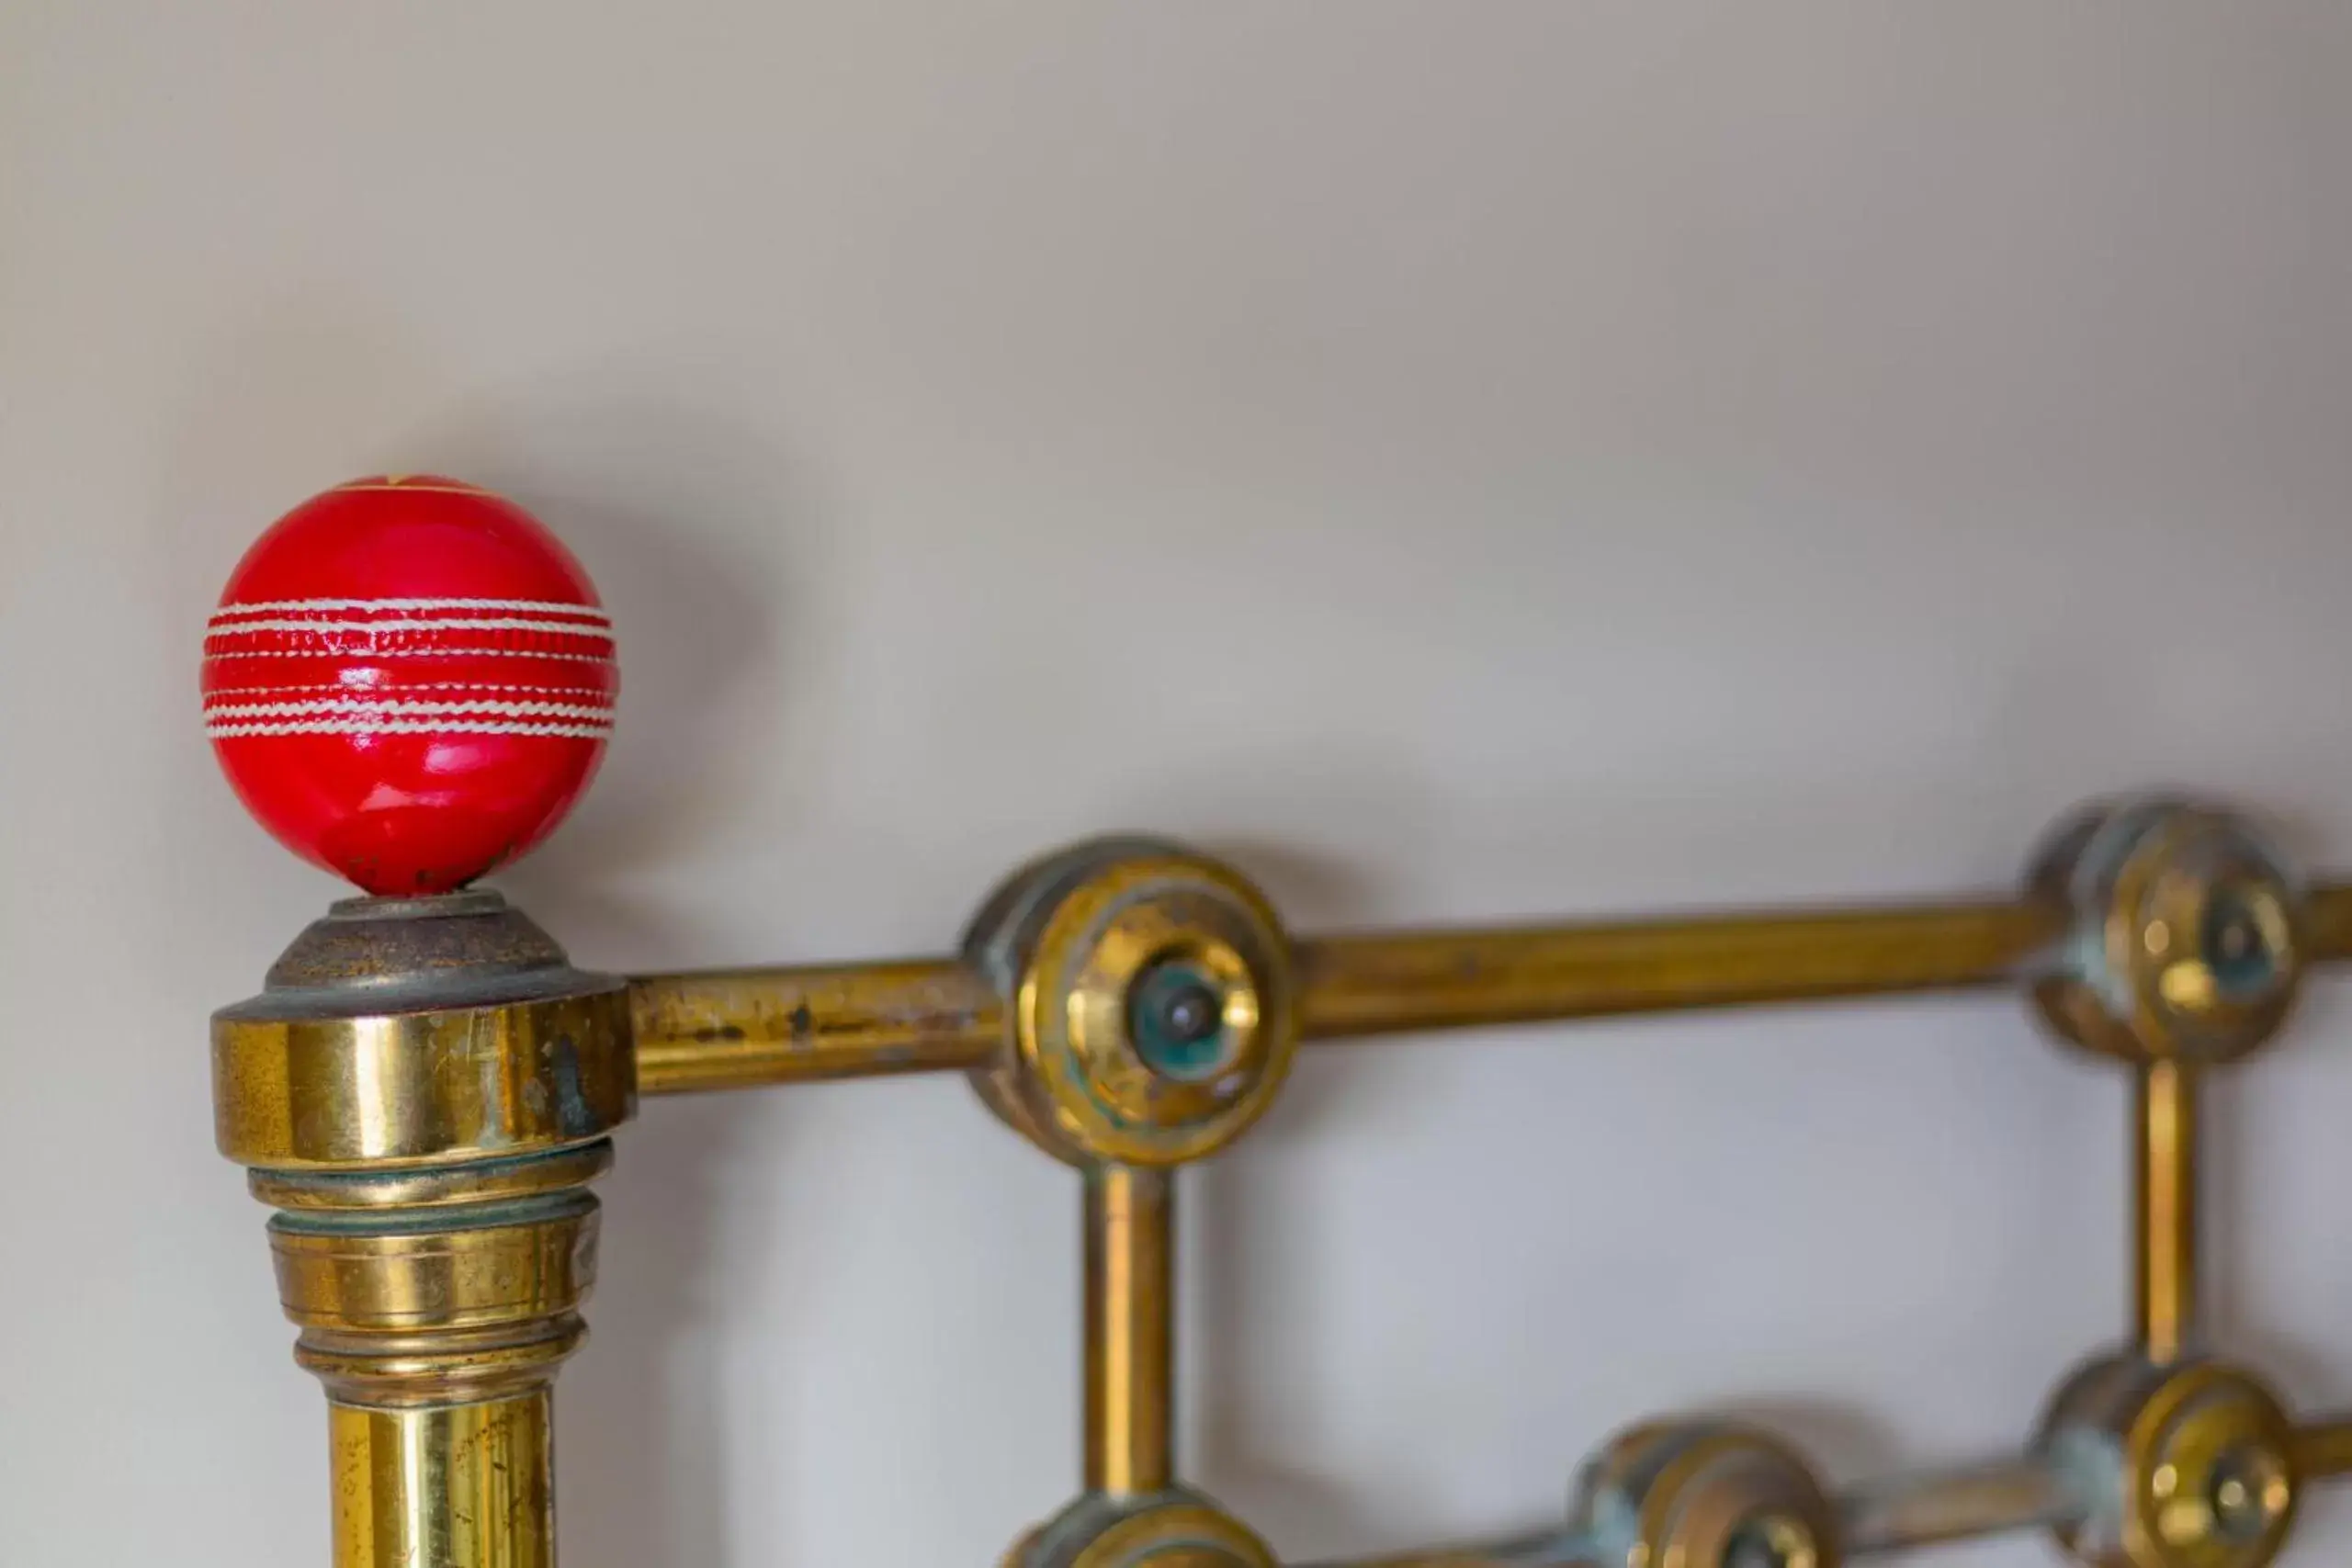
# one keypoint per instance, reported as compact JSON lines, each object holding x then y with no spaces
{"x":352,"y":707}
{"x":411,"y":653}
{"x":405,"y":726}
{"x":337,"y":689}
{"x":544,"y":607}
{"x":407,"y":624}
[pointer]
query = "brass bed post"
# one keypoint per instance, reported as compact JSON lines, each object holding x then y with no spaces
{"x":409,"y":680}
{"x":422,"y":1093}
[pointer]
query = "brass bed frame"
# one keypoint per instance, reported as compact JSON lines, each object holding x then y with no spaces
{"x":425,"y":1087}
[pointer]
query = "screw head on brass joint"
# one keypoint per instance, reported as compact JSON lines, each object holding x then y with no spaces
{"x":1173,"y":1529}
{"x":2187,"y":1465}
{"x":409,"y":681}
{"x":2185,"y":941}
{"x":1706,"y":1494}
{"x":1149,"y":1002}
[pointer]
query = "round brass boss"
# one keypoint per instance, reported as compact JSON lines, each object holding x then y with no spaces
{"x":1707,"y":1494}
{"x":1149,"y":1003}
{"x":2200,"y":1458}
{"x":2187,"y":940}
{"x":1178,"y":1530}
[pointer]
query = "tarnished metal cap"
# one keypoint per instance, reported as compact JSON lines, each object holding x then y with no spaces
{"x":2190,"y":1465}
{"x":1706,"y":1494}
{"x":1176,"y":1530}
{"x":1149,"y":999}
{"x":2187,"y":940}
{"x":411,"y":1032}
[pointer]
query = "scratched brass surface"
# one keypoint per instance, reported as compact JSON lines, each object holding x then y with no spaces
{"x":734,"y":1029}
{"x":459,"y":1269}
{"x":737,"y":1029}
{"x":1130,"y":1341}
{"x":422,"y":1091}
{"x":411,"y":1087}
{"x":1379,"y":983}
{"x":2165,"y":1170}
{"x":463,"y":1486}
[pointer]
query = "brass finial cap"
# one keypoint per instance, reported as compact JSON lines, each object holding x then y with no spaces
{"x":416,"y":1031}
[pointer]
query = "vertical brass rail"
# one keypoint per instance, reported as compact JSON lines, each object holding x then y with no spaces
{"x":1130,"y":1346}
{"x":453,"y":1486}
{"x":2164,"y":1208}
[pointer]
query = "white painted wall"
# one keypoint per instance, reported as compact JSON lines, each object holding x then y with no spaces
{"x":1462,"y":461}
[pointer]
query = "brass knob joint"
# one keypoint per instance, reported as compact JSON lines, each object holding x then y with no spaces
{"x":424,"y":1091}
{"x":2190,"y":1465}
{"x":2187,"y":940}
{"x":2186,"y":948}
{"x":1702,"y":1494}
{"x":1149,"y":1006}
{"x":1150,"y":1021}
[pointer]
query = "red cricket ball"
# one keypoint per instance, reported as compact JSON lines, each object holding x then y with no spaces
{"x":409,"y":681}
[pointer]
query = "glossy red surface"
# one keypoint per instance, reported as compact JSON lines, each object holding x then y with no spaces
{"x":409,"y":681}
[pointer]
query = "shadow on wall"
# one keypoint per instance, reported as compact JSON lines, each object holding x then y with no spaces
{"x":658,"y":504}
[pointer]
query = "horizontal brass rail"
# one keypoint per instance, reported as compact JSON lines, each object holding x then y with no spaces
{"x":2327,"y":920}
{"x":1537,"y":1550}
{"x":1387,"y":983}
{"x":1955,"y":1504}
{"x":2324,"y":1449}
{"x":734,"y":1029}
{"x":1893,"y":1516}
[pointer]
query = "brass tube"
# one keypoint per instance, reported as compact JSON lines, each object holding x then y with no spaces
{"x":1955,"y":1504}
{"x":1375,"y":984}
{"x":1545,"y":1549}
{"x":742,"y":1028}
{"x":2164,"y":1208}
{"x":1130,"y":1343}
{"x":452,"y":1487}
{"x":1884,"y":1517}
{"x":734,"y":1029}
{"x":2324,"y":1449}
{"x":2327,"y":920}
